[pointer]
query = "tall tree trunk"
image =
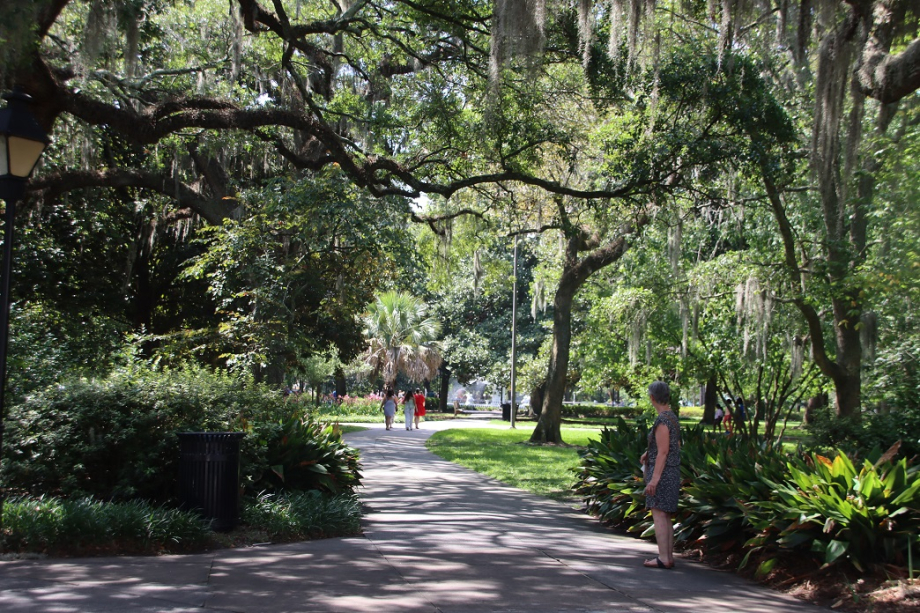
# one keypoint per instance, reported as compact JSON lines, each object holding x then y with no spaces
{"x":709,"y":399}
{"x":341,"y":385}
{"x":536,"y":398}
{"x":444,"y":389}
{"x":574,"y":273}
{"x":549,"y":425}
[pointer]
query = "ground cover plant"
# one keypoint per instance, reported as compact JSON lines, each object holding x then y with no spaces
{"x":751,"y":501}
{"x":87,"y":527}
{"x":303,"y":515}
{"x":83,"y":526}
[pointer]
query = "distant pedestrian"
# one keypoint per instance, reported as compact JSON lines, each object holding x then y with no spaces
{"x":408,"y":403}
{"x":389,"y":408}
{"x":419,"y":406}
{"x":717,"y":421}
{"x":740,"y":414}
{"x":662,"y":473}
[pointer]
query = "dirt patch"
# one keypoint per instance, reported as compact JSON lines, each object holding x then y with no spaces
{"x":879,"y":590}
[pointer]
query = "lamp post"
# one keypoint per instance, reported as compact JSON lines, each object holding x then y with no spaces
{"x":22,"y":142}
{"x":514,"y":335}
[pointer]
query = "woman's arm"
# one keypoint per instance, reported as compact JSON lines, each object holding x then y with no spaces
{"x":662,"y":440}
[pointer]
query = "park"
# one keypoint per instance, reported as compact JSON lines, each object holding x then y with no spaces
{"x":249,"y":222}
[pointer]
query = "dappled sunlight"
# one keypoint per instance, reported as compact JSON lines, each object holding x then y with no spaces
{"x":437,"y":538}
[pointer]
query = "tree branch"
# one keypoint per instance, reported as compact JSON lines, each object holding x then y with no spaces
{"x":211,"y":210}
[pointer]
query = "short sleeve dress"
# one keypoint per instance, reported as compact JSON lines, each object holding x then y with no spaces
{"x":668,"y":490}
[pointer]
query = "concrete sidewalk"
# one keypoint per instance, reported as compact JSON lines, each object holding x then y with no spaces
{"x":438,"y":538}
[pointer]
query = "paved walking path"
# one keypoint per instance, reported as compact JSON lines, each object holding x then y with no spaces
{"x":438,"y":538}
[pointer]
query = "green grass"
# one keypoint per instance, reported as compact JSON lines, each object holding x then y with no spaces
{"x":503,"y":455}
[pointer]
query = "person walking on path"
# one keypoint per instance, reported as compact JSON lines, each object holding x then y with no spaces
{"x":408,"y":402}
{"x":717,"y":421}
{"x":389,"y":408}
{"x":662,"y":473}
{"x":419,"y":406}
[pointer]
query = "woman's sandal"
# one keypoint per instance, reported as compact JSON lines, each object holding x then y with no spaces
{"x":657,"y":563}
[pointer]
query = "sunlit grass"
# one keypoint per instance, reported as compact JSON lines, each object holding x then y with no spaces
{"x":504,"y":455}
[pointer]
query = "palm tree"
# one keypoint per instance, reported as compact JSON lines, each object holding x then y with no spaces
{"x":400,"y":338}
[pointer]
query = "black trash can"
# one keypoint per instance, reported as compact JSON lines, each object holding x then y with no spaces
{"x":506,"y":411}
{"x":209,"y":476}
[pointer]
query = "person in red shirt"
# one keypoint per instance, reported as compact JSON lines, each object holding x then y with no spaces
{"x":419,"y":406}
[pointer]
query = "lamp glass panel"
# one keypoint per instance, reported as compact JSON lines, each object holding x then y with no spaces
{"x":24,"y":154}
{"x":4,"y":162}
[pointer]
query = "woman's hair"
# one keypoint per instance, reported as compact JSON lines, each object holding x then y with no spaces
{"x":389,"y":393}
{"x":660,"y":392}
{"x":408,"y":395}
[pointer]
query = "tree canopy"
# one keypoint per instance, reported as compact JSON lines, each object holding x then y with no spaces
{"x":252,"y":174}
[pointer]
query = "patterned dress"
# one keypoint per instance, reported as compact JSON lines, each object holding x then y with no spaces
{"x":668,"y":490}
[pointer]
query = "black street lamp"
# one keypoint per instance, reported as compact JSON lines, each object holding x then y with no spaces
{"x":22,"y":142}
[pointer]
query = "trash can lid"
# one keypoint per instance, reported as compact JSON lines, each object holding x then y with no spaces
{"x":211,"y":434}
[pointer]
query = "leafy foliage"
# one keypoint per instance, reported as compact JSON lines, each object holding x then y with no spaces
{"x":297,"y":515}
{"x":302,"y":453}
{"x":82,"y":526}
{"x":610,"y":478}
{"x":836,"y":511}
{"x":861,"y":434}
{"x":290,"y":279}
{"x":748,"y":495}
{"x":115,"y":438}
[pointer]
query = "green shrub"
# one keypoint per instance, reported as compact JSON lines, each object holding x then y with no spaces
{"x":82,"y":526}
{"x":859,"y":434}
{"x":834,"y":511}
{"x":576,"y":411}
{"x":301,"y":453}
{"x":750,"y":496}
{"x":297,"y":515}
{"x":115,"y":438}
{"x":725,"y":480}
{"x":610,"y":478}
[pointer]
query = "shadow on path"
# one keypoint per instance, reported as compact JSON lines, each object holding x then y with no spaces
{"x":438,"y":538}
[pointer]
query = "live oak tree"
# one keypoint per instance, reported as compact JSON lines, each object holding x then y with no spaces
{"x":409,"y":98}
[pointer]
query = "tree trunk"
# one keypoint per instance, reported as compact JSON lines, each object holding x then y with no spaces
{"x":549,"y":425}
{"x":709,"y":399}
{"x":444,"y":389}
{"x":574,"y":274}
{"x":848,"y":377}
{"x":536,"y":398}
{"x":341,"y":385}
{"x":814,"y":403}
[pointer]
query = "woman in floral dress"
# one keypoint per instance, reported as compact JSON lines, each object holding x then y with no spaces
{"x":662,"y":473}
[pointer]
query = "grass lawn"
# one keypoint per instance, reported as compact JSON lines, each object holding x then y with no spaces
{"x":543,"y":470}
{"x":347,"y":429}
{"x":504,"y":455}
